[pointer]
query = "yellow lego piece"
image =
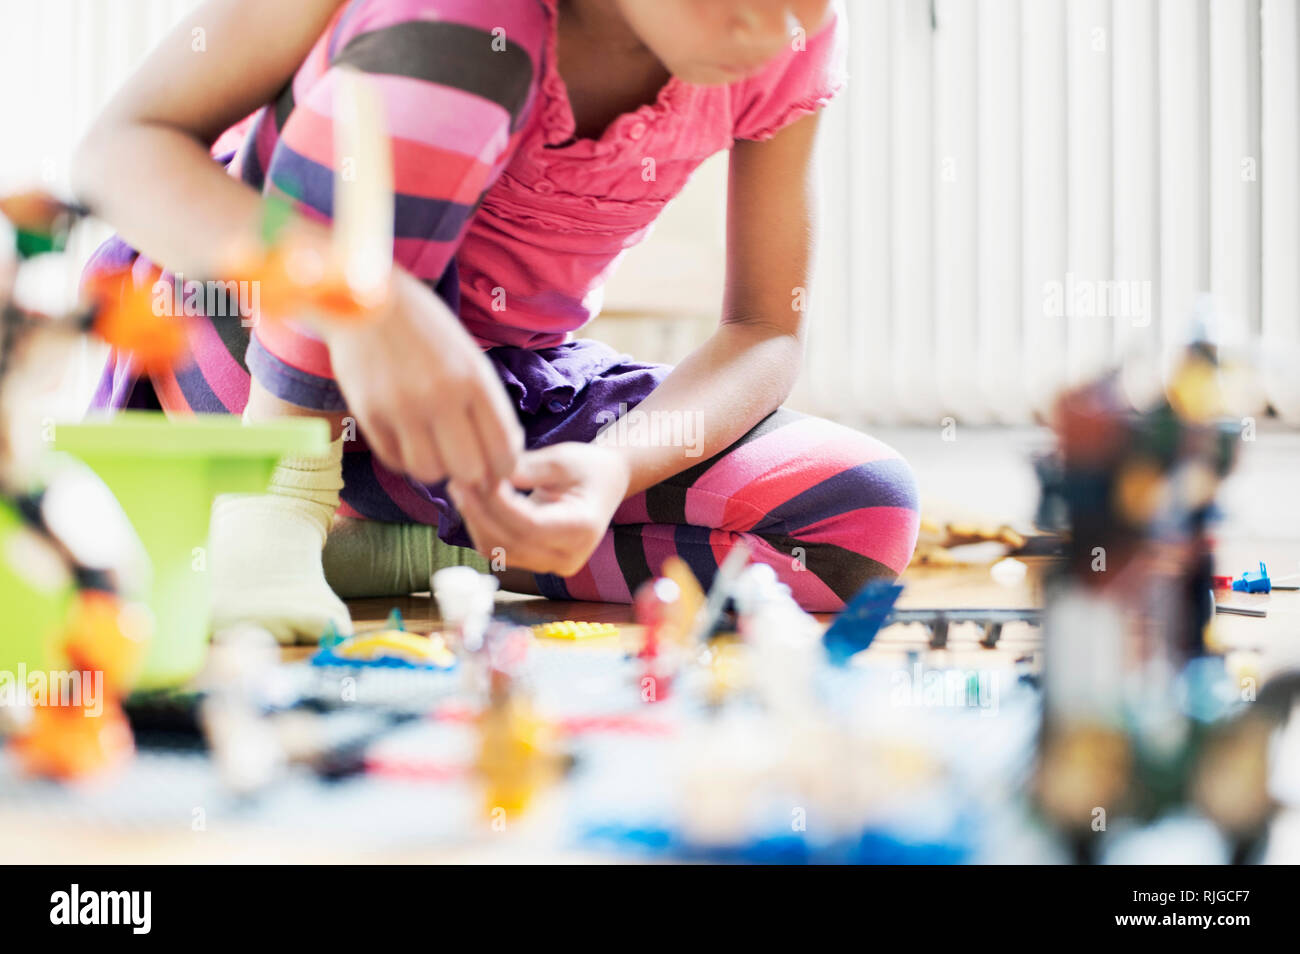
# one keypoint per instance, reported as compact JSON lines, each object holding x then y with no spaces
{"x":571,"y":629}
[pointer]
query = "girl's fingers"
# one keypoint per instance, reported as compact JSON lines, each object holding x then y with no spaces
{"x":527,"y":550}
{"x":383,"y":442}
{"x":421,"y":457}
{"x":500,"y":436}
{"x":521,"y":516}
{"x":459,"y":447}
{"x":546,"y":466}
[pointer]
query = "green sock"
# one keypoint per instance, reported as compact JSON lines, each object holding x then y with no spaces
{"x":370,"y":558}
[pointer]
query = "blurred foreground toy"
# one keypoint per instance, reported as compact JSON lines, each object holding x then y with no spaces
{"x":134,"y":454}
{"x":859,"y":622}
{"x":233,"y":713}
{"x":1251,"y":582}
{"x":41,"y":222}
{"x":690,"y":599}
{"x":115,"y":307}
{"x":1129,"y":699}
{"x":465,"y":600}
{"x":654,"y":608}
{"x":77,"y":726}
{"x":518,"y":753}
{"x":165,"y":474}
{"x":729,"y":570}
{"x":392,"y":647}
{"x":71,"y":634}
{"x":571,"y":629}
{"x":350,"y":284}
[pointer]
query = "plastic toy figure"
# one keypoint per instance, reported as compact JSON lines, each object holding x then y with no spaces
{"x":79,"y":643}
{"x":1135,"y":487}
{"x":518,"y":755}
{"x":1252,"y":582}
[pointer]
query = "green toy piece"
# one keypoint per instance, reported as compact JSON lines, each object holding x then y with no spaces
{"x":395,"y":621}
{"x":165,"y":475}
{"x":35,"y":595}
{"x":331,"y":637}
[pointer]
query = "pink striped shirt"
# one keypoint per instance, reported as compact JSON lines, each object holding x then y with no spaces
{"x":557,"y":213}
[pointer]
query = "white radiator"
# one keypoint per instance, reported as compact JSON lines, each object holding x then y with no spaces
{"x":1022,"y":191}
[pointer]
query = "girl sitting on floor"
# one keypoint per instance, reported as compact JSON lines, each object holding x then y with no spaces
{"x":534,"y":142}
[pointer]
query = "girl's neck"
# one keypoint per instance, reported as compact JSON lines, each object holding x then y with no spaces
{"x":608,"y":72}
{"x":602,"y":19}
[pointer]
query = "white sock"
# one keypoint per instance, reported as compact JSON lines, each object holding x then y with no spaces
{"x":266,"y":552}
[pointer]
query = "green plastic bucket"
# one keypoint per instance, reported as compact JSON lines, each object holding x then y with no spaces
{"x":165,"y":474}
{"x":34,"y":603}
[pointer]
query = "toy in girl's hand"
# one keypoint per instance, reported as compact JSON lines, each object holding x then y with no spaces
{"x":351,"y":284}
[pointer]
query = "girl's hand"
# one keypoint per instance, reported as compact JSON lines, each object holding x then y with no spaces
{"x":575,"y":490}
{"x":425,"y":394}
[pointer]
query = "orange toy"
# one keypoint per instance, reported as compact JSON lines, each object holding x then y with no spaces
{"x":87,"y":732}
{"x":124,"y":318}
{"x":105,"y":636}
{"x":292,"y":280}
{"x":73,"y":741}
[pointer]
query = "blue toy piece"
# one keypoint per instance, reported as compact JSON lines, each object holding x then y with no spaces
{"x":1250,"y":582}
{"x":858,"y":624}
{"x":872,"y":846}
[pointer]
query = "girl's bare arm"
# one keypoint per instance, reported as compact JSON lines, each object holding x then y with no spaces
{"x":144,"y":166}
{"x":749,"y":365}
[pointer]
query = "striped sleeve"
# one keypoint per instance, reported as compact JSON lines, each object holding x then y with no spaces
{"x":457,"y":79}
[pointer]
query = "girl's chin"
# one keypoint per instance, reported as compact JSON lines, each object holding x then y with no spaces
{"x":712,"y":75}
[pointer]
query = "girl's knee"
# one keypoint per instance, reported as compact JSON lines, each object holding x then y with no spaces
{"x":870,"y":534}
